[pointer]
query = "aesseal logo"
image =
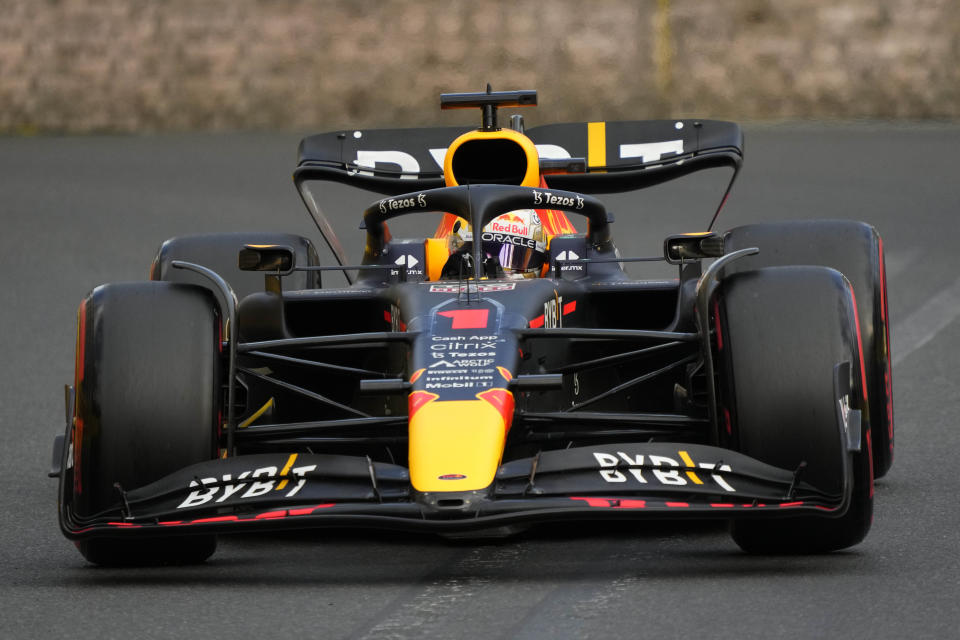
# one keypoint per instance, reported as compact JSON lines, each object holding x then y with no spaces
{"x":248,"y":484}
{"x":620,"y":467}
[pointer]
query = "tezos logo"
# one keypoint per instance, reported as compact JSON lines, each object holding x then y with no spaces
{"x":547,"y":198}
{"x":392,"y":204}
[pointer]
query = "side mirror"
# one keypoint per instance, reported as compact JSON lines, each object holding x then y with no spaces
{"x":279,"y":259}
{"x":274,"y":259}
{"x":692,"y":246}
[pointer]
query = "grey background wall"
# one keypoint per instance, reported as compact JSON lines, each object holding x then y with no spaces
{"x":148,"y":65}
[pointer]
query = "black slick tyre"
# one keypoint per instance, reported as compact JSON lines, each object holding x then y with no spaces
{"x":855,"y":249}
{"x":785,"y":333}
{"x":148,"y":399}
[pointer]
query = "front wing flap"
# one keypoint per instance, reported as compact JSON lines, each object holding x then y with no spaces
{"x":631,"y":480}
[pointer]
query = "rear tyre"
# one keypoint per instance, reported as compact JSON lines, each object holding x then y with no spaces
{"x":785,"y":331}
{"x":148,"y":399}
{"x":855,"y":249}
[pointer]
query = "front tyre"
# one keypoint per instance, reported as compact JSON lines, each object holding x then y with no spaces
{"x":148,"y":399}
{"x":786,"y":333}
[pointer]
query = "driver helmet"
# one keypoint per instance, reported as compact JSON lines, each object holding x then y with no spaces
{"x":517,"y":240}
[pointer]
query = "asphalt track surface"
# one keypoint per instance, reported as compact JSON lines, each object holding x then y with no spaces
{"x":77,"y":212}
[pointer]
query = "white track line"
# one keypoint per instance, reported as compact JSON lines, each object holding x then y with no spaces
{"x":469,"y":580}
{"x":898,"y":261}
{"x":922,"y":325}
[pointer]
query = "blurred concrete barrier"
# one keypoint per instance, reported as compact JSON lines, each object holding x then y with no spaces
{"x":146,"y":65}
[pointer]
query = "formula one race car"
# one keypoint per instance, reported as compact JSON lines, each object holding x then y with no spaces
{"x":504,"y":372}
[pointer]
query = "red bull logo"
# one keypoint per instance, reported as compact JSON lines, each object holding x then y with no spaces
{"x":515,"y":223}
{"x":513,"y":228}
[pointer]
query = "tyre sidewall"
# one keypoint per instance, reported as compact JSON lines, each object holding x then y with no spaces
{"x":147,"y":388}
{"x":784,"y":331}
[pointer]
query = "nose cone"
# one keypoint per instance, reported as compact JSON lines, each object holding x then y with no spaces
{"x":456,"y":445}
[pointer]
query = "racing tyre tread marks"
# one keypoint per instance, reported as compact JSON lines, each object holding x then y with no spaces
{"x":785,"y":330}
{"x":147,"y":405}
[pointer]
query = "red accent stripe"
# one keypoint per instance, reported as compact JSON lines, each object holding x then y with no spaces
{"x":723,"y":505}
{"x":785,"y":505}
{"x":171,"y":523}
{"x":632,"y":504}
{"x":863,"y":383}
{"x":217,"y":519}
{"x":309,"y":510}
{"x":271,"y":514}
{"x":502,"y":401}
{"x":128,"y":525}
{"x":569,"y":307}
{"x":536,"y":323}
{"x":593,"y":502}
{"x":417,"y":399}
{"x":674,"y":505}
{"x":863,"y":368}
{"x":716,"y":320}
{"x":77,"y":435}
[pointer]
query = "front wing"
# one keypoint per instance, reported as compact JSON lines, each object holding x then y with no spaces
{"x":631,"y":480}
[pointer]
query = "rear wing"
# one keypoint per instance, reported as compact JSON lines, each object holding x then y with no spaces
{"x":620,"y":156}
